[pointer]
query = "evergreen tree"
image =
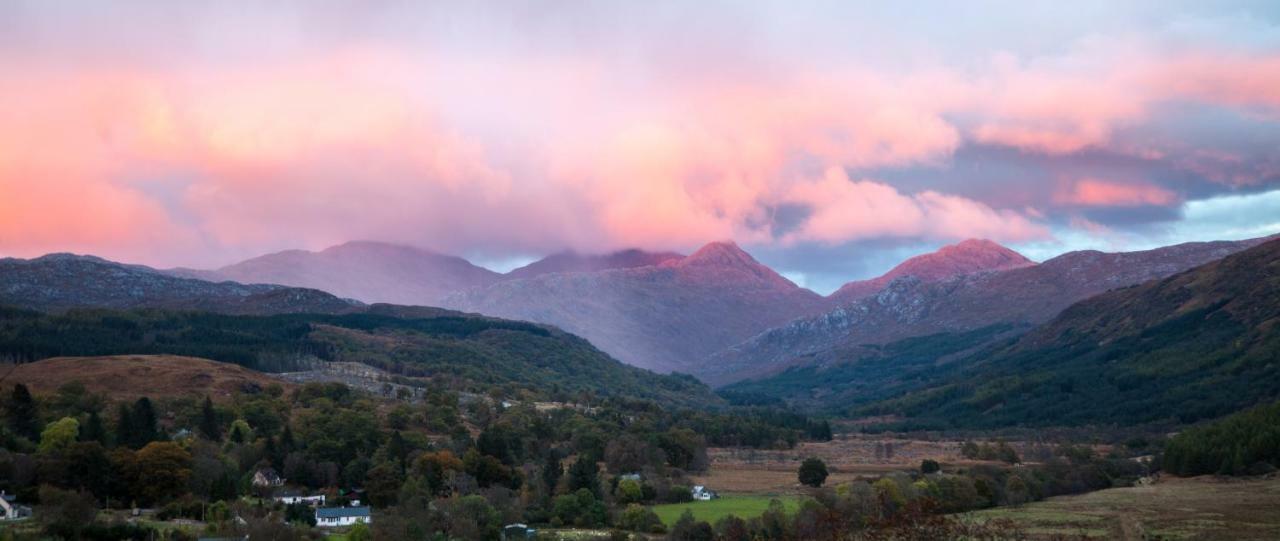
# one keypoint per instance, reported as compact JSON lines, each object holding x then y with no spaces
{"x":21,"y":413}
{"x":126,"y":434}
{"x":93,"y":430}
{"x":209,"y":422}
{"x":144,"y":423}
{"x":585,"y":473}
{"x":396,"y":450}
{"x":286,"y":441}
{"x":552,"y":471}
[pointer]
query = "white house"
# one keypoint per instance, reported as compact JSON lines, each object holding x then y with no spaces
{"x":701,"y":493}
{"x":9,"y":508}
{"x":291,"y":497}
{"x":333,"y":517}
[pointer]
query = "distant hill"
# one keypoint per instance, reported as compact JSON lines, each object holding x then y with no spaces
{"x":967,"y":257}
{"x":369,"y":271}
{"x":1196,"y":345}
{"x":128,"y":377}
{"x":575,"y":262}
{"x":664,"y":317}
{"x":467,"y":353}
{"x":910,"y":306}
{"x":59,"y":282}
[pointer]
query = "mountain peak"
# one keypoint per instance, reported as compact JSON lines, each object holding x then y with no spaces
{"x":572,"y":261}
{"x":965,"y":257}
{"x":722,"y":253}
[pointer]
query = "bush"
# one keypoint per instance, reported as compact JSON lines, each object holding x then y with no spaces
{"x":813,"y":472}
{"x":929,"y":466}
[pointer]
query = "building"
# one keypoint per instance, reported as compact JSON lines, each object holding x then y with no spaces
{"x":333,"y":517}
{"x":10,"y":510}
{"x":267,"y":477}
{"x":518,"y":532}
{"x":701,"y":493}
{"x":290,"y":497}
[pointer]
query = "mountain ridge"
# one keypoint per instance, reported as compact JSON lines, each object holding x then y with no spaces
{"x":909,"y":306}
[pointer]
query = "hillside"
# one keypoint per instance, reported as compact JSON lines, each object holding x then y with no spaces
{"x":667,"y":317}
{"x":468,"y":353}
{"x":128,"y":377}
{"x":910,"y":306}
{"x":369,"y":271}
{"x":1197,"y":345}
{"x":59,"y":282}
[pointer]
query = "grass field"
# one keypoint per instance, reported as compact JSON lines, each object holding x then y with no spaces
{"x":713,"y":510}
{"x":1197,"y":508}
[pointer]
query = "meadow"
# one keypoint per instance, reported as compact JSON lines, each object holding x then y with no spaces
{"x":743,"y":506}
{"x":1172,"y":508}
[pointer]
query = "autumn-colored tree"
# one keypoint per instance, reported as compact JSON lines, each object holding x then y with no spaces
{"x":163,"y":469}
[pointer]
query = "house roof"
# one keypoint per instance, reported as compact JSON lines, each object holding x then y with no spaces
{"x":339,"y":512}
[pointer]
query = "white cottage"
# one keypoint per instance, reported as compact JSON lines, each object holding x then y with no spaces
{"x":334,"y":517}
{"x":9,"y":508}
{"x":701,"y":493}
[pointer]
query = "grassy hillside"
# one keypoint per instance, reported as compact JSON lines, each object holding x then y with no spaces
{"x":129,"y":377}
{"x":1197,"y":345}
{"x":463,"y":352}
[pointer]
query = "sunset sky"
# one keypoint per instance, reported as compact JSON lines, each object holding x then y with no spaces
{"x":828,"y":139}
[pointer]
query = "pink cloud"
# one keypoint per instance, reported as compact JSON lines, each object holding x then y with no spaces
{"x":1091,"y":192}
{"x":844,"y":209}
{"x":457,"y":152}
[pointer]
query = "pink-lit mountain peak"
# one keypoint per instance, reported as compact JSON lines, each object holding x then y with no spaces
{"x":969,"y":256}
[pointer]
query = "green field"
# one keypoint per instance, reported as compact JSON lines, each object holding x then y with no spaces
{"x":713,"y":510}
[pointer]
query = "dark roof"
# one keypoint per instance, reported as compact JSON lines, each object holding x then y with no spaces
{"x":338,"y":512}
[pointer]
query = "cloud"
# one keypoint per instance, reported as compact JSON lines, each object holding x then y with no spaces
{"x":843,"y":210}
{"x":1092,"y":192}
{"x":502,"y":132}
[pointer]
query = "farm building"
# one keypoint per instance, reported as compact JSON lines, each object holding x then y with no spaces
{"x":332,"y":517}
{"x":701,"y":493}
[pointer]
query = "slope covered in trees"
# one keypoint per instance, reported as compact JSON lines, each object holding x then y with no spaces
{"x":467,"y":353}
{"x":1243,"y":443}
{"x":1197,"y":345}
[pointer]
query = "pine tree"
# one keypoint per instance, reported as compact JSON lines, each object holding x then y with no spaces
{"x":585,"y":473}
{"x":126,"y":434}
{"x":209,"y":422}
{"x":552,"y":471}
{"x":144,"y":423}
{"x":93,"y":429}
{"x":22,"y":413}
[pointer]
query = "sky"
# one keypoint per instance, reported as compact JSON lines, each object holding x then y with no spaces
{"x":829,"y":139}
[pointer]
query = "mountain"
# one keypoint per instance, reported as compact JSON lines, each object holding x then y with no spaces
{"x":452,"y":351}
{"x":664,"y":317}
{"x":909,"y":306}
{"x":369,"y":271}
{"x":59,"y":282}
{"x":1197,"y":345}
{"x":970,"y":256}
{"x":575,"y":262}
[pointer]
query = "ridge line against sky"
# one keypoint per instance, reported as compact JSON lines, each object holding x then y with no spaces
{"x":830,"y":140}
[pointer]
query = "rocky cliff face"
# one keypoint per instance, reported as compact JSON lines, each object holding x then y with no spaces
{"x":911,"y":306}
{"x":59,"y":282}
{"x":664,"y":317}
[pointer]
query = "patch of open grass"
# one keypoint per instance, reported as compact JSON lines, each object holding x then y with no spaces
{"x":743,"y":507}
